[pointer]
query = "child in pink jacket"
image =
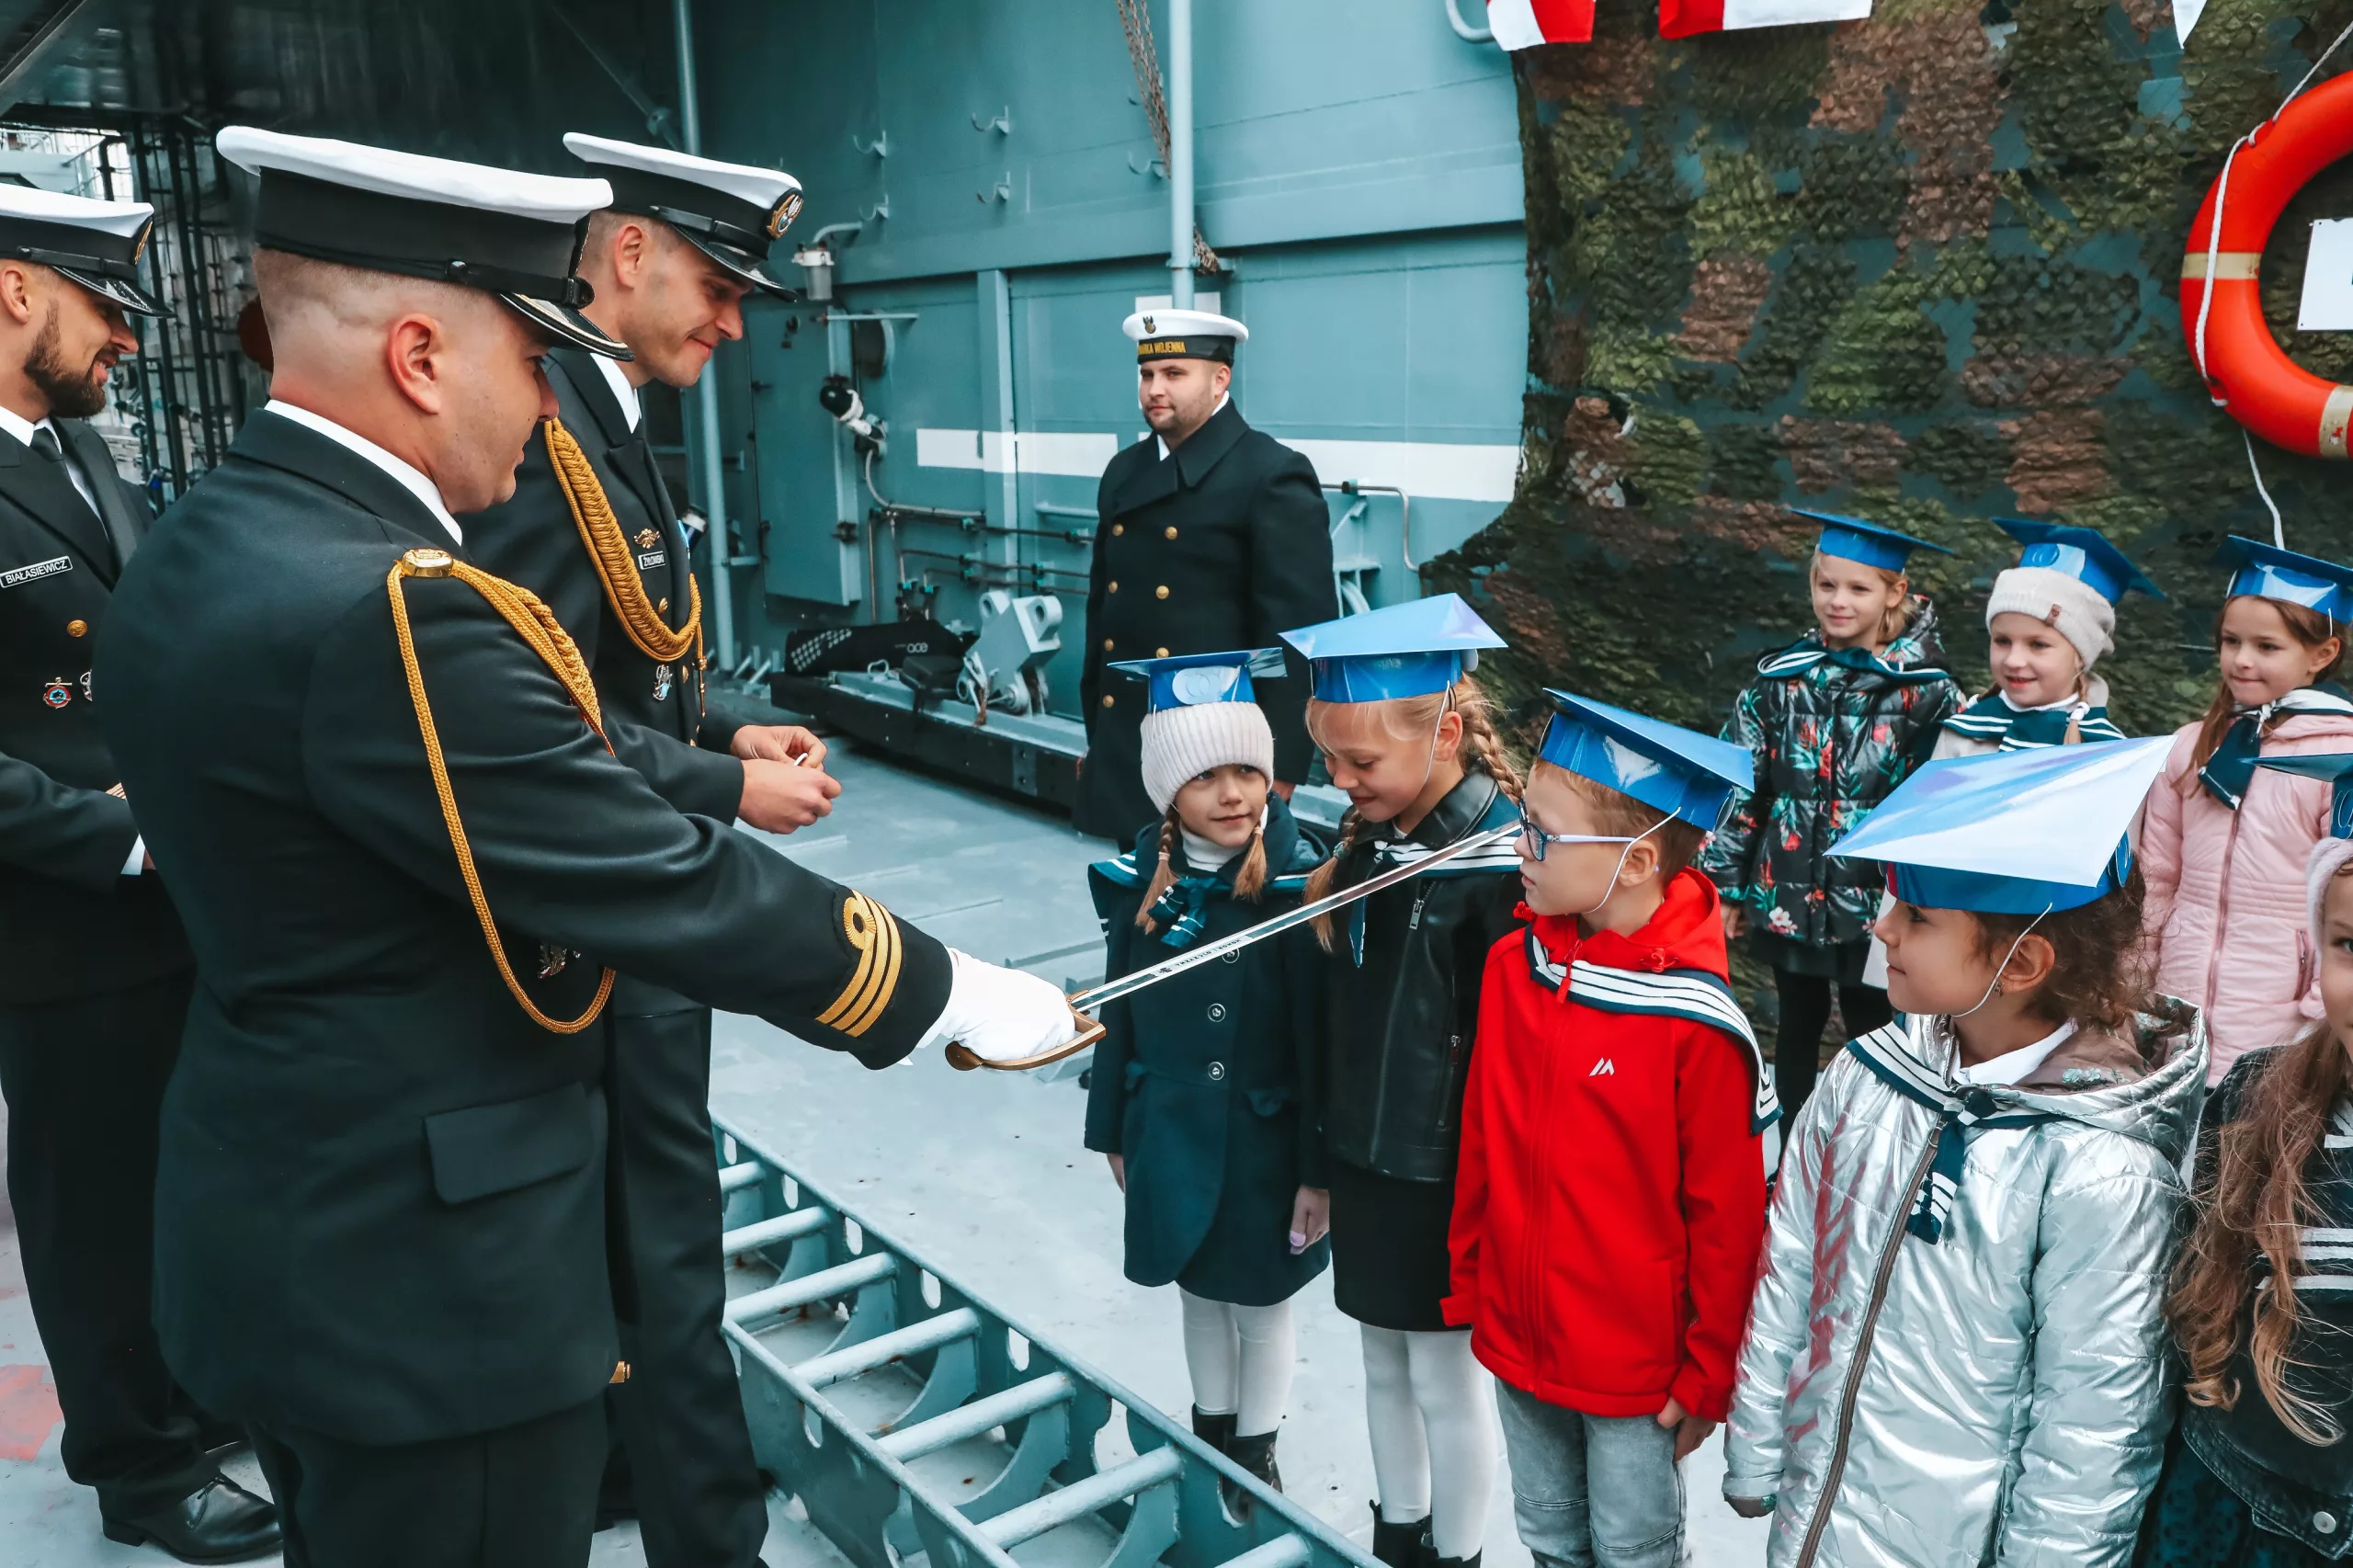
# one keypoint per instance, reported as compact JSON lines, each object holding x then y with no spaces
{"x":2223,"y":844}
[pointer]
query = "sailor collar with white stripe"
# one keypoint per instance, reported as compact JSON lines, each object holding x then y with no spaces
{"x":1695,"y":995}
{"x":409,"y":477}
{"x":1995,"y":718}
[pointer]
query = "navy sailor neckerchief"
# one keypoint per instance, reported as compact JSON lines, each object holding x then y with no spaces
{"x":1962,"y":1111}
{"x":1808,"y":652}
{"x":1992,"y":718}
{"x":1463,"y":811}
{"x":1700,"y":995}
{"x":2231,"y":767}
{"x":1182,"y":908}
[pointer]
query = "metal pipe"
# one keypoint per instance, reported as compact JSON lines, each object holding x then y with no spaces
{"x":1465,"y":30}
{"x":1180,"y":154}
{"x":714,"y":483}
{"x":830,"y":230}
{"x":1405,"y":506}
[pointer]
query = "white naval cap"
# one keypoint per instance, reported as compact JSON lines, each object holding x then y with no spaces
{"x":96,"y":243}
{"x":516,"y":235}
{"x":1185,"y":335}
{"x":731,"y":212}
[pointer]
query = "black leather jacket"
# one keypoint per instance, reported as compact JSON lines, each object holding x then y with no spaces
{"x":1402,"y":1019}
{"x":2296,"y":1488}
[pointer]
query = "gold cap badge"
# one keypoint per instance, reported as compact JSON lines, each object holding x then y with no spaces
{"x":780,"y":217}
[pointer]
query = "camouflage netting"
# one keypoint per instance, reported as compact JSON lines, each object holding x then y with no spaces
{"x":1922,"y":267}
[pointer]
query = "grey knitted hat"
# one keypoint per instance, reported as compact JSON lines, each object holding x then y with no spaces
{"x":1180,"y":743}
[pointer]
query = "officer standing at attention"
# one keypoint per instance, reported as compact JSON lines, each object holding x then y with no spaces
{"x":406,"y":856}
{"x":93,"y":971}
{"x":1210,"y":535}
{"x":593,"y":532}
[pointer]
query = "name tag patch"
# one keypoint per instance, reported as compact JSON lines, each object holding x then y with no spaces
{"x":657,"y":558}
{"x":36,"y":572}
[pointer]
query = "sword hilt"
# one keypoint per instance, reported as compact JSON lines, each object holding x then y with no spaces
{"x":1089,"y":1030}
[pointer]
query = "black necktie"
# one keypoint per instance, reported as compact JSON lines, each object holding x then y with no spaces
{"x":45,"y":442}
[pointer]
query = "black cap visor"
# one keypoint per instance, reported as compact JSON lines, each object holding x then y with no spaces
{"x":567,"y":326}
{"x":122,"y":291}
{"x":737,"y":264}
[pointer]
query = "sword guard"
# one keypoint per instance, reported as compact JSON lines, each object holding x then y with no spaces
{"x":1089,"y":1031}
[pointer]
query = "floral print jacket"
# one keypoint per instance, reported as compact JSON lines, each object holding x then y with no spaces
{"x":1833,"y":733}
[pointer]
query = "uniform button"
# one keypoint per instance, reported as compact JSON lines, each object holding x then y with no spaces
{"x":620,"y":1372}
{"x":1107,"y":644}
{"x":1108,"y":700}
{"x":2325,"y":1522}
{"x":1160,"y":652}
{"x":1169,"y":533}
{"x":1111,"y":587}
{"x":1217,"y":1012}
{"x":77,"y":629}
{"x":1161,"y":592}
{"x":1217,"y":1072}
{"x":1118,"y":529}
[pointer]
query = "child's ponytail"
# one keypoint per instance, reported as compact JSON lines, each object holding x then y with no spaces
{"x":1319,"y":881}
{"x":1251,"y":880}
{"x":1163,"y":875}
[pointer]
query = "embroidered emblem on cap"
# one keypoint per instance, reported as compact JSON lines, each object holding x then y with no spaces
{"x":1148,"y":327}
{"x":780,"y":217}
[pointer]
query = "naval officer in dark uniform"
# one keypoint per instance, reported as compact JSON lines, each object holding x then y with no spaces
{"x":93,"y":971}
{"x":1208,"y":535}
{"x":406,"y":859}
{"x":592,"y":531}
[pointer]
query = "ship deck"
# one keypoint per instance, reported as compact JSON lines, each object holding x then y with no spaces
{"x":983,"y":1172}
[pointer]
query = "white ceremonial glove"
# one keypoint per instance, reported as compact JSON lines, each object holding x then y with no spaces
{"x":999,"y":1014}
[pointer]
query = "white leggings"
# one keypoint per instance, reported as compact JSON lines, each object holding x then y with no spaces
{"x":1432,"y":1410}
{"x":1241,"y":1360}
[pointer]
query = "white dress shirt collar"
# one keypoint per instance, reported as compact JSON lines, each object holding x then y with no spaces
{"x":615,"y":379}
{"x":411,"y":477}
{"x":1223,"y":399}
{"x":22,"y":429}
{"x":2012,"y":1065}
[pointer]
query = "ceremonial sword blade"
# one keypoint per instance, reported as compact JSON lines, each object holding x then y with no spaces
{"x":1128,"y":984}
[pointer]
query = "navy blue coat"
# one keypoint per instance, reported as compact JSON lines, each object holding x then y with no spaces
{"x":1206,"y":1083}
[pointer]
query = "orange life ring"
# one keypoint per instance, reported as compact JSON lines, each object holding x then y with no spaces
{"x":2222,"y":316}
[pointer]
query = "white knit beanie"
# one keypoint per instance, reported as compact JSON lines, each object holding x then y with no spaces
{"x":2328,"y":858}
{"x":1181,"y":743}
{"x":2069,"y":606}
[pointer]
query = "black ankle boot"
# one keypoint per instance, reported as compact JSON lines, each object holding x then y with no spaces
{"x":1217,"y":1431}
{"x":1400,"y":1546}
{"x":1255,"y":1455}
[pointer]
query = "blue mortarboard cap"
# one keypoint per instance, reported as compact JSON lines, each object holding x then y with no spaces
{"x":1408,"y":649}
{"x":2337,"y":768}
{"x":1188,"y":680}
{"x":1851,"y":539}
{"x":2080,"y":554}
{"x":2014,"y":832}
{"x":1666,"y":766}
{"x":2276,"y":573}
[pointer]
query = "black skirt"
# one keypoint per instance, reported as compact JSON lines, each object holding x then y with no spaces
{"x":1390,"y":1265}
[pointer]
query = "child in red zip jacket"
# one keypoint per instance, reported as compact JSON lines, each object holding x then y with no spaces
{"x":1610,"y":1201}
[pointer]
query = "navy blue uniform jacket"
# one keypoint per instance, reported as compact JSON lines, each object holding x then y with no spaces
{"x":1206,"y":1083}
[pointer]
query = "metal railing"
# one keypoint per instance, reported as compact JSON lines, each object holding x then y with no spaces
{"x":908,"y":1415}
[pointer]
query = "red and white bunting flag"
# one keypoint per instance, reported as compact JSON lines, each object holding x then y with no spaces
{"x":1522,"y":24}
{"x":1681,"y":19}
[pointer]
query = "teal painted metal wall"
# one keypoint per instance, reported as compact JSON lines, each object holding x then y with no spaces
{"x":1358,"y":165}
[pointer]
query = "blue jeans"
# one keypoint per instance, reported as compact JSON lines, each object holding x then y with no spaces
{"x":1591,"y":1491}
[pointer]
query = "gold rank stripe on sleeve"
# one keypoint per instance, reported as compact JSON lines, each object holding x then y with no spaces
{"x":539,"y":627}
{"x":873,"y":931}
{"x":616,"y":567}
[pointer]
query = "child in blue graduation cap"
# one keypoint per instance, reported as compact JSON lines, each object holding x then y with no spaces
{"x":2226,"y":841}
{"x":1611,"y":1197}
{"x":1955,"y":1353}
{"x":2260,"y":1471}
{"x":1406,"y":731}
{"x":1834,"y":721}
{"x":1202,"y":1093}
{"x":2048,"y":620}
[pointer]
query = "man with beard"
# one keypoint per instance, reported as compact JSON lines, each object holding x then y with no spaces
{"x":592,"y":531}
{"x":94,"y":974}
{"x":378,"y":780}
{"x":1210,"y":535}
